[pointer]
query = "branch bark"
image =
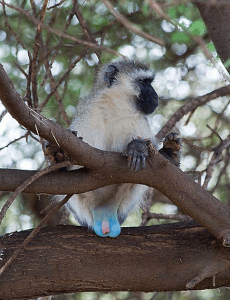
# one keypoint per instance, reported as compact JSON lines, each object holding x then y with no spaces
{"x":190,"y":107}
{"x":110,"y":167}
{"x":67,"y":259}
{"x":216,"y":18}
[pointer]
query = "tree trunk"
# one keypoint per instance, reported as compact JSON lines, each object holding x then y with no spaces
{"x":68,"y":259}
{"x":216,"y":17}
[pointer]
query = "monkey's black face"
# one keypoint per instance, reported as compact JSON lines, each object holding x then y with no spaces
{"x":147,"y":100}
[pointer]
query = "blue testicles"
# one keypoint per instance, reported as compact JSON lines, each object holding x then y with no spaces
{"x":106,"y":223}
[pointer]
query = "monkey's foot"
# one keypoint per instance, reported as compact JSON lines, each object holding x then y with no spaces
{"x":171,"y":148}
{"x":137,"y":151}
{"x":54,"y":153}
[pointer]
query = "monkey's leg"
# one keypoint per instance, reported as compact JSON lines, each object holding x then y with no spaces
{"x":137,"y":151}
{"x":54,"y":153}
{"x":171,"y":148}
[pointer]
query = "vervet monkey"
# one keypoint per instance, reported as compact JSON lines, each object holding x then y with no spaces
{"x":113,"y":117}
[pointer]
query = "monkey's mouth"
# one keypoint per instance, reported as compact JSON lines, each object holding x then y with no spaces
{"x":147,"y":104}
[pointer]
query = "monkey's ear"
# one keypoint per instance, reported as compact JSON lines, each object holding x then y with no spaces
{"x":110,"y":74}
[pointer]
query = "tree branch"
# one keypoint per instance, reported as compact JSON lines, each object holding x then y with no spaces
{"x":216,"y":19}
{"x":132,"y":27}
{"x":191,"y":106}
{"x":60,"y":33}
{"x":76,"y":261}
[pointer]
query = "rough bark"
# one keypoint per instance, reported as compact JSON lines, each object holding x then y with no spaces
{"x":216,"y":17}
{"x":67,"y":259}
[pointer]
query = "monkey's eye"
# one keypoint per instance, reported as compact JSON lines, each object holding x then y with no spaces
{"x":141,"y":81}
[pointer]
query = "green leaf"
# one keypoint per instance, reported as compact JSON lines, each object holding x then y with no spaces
{"x":181,"y":8}
{"x":172,"y":12}
{"x":227,"y":63}
{"x":180,"y":37}
{"x":145,"y":9}
{"x":211,"y":47}
{"x":197,"y":28}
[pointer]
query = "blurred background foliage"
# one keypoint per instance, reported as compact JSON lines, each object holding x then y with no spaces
{"x":182,"y":73}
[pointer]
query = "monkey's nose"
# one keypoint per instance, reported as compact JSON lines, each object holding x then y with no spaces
{"x":105,"y":227}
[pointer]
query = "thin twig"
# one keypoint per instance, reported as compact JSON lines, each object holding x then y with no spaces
{"x":16,"y":140}
{"x":61,"y":34}
{"x":3,"y":114}
{"x":191,"y":106}
{"x":17,"y":38}
{"x":222,"y":171}
{"x":21,"y":69}
{"x":53,"y":85}
{"x":85,"y":26}
{"x":215,"y":159}
{"x":51,"y":24}
{"x":214,"y":132}
{"x":158,"y":9}
{"x":72,"y":65}
{"x":149,"y":215}
{"x":132,"y":27}
{"x":35,"y":54}
{"x":154,"y":296}
{"x":56,"y":5}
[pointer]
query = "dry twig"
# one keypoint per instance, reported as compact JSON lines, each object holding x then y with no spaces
{"x":191,"y":106}
{"x":34,"y":65}
{"x":215,"y":159}
{"x":16,"y":140}
{"x":60,"y":33}
{"x":132,"y":27}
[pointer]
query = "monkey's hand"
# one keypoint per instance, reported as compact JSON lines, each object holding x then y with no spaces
{"x":171,"y":148}
{"x":137,"y":151}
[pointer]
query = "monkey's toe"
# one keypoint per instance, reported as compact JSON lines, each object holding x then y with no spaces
{"x":171,"y":148}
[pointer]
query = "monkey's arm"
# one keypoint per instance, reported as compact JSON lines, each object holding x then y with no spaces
{"x":171,"y":148}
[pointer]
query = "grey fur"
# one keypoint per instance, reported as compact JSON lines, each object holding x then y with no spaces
{"x":108,"y":120}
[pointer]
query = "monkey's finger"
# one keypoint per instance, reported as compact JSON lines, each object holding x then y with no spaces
{"x":143,"y":161}
{"x":130,"y":156}
{"x":138,"y":163}
{"x":134,"y":161}
{"x":178,"y":141}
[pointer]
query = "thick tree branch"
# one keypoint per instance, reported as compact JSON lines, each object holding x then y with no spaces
{"x":67,"y":259}
{"x":111,"y":167}
{"x":216,"y":18}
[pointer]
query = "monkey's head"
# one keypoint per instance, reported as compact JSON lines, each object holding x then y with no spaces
{"x":130,"y":78}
